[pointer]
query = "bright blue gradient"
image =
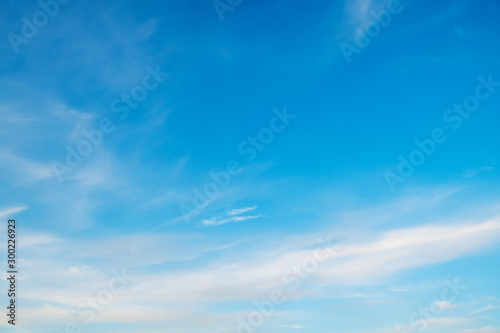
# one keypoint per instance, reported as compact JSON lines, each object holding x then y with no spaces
{"x":323,"y":173}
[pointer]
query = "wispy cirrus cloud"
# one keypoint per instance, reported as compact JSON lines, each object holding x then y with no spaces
{"x":481,"y":330}
{"x":402,"y":249}
{"x":435,"y":324}
{"x":486,"y":308}
{"x":293,"y":327}
{"x":30,"y":170}
{"x":215,"y":221}
{"x":6,"y":212}
{"x":474,"y":172}
{"x":358,"y":11}
{"x":222,"y":278}
{"x":239,"y":211}
{"x":232,"y":215}
{"x":444,"y":305}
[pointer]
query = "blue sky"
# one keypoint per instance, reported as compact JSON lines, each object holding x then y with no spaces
{"x":384,"y":160}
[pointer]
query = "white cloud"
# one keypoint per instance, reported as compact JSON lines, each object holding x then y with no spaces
{"x":444,"y":305}
{"x":214,"y":221}
{"x":230,"y":278}
{"x":404,"y":249}
{"x":239,"y":211}
{"x":32,"y":240}
{"x":486,"y":308}
{"x":8,"y":212}
{"x":28,"y":169}
{"x":81,"y":271}
{"x":474,"y":172}
{"x":358,"y":11}
{"x":481,"y":330}
{"x":437,"y":323}
{"x":231,"y":216}
{"x":293,"y":327}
